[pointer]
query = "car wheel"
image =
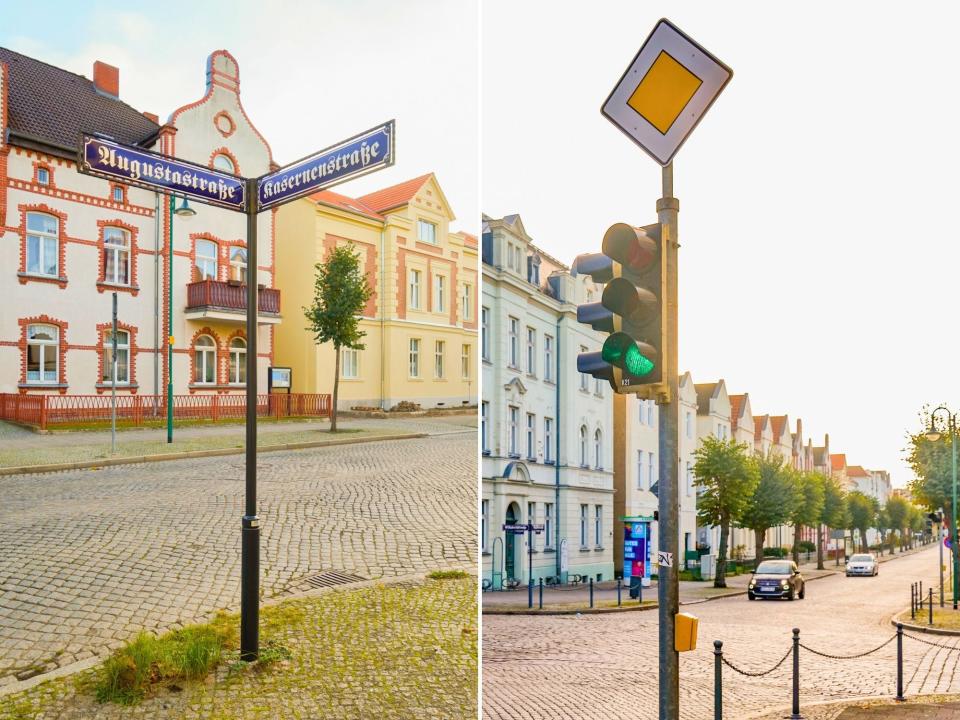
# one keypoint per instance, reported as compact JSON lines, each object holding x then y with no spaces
{"x":790,"y":596}
{"x":751,"y":596}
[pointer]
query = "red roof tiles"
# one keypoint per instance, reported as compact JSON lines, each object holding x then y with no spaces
{"x":395,"y":195}
{"x":838,"y":462}
{"x":343,"y":202}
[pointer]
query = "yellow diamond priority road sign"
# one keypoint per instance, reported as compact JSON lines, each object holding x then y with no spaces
{"x":665,"y":92}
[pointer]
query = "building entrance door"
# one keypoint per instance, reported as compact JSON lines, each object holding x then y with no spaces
{"x":510,"y":553}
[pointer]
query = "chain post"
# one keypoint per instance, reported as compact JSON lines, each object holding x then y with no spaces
{"x":618,"y":592}
{"x":795,"y":713}
{"x":718,"y":680}
{"x":541,"y":593}
{"x":591,"y":592}
{"x":900,"y":697}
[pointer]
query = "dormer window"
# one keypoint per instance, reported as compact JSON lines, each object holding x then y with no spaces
{"x":533,"y":269}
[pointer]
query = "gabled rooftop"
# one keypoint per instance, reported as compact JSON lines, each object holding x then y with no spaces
{"x":396,"y":195}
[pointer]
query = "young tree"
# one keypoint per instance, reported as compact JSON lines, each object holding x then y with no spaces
{"x":340,"y":292}
{"x":862,"y":512}
{"x":897,"y":509}
{"x":833,"y":513}
{"x":882,"y":522}
{"x":728,"y":476}
{"x":915,"y":522}
{"x":772,"y":502}
{"x":806,"y":511}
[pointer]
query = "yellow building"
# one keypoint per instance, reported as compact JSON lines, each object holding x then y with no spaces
{"x":420,"y":322}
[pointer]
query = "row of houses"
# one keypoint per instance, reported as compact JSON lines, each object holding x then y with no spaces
{"x":547,"y":432}
{"x":68,"y":241}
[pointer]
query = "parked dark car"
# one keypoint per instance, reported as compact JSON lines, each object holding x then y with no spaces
{"x":777,"y":579}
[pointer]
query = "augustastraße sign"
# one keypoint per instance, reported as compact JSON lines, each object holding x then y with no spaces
{"x":364,"y":153}
{"x":133,"y":166}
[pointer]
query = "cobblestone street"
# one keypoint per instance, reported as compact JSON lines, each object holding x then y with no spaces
{"x":91,"y":557}
{"x":604,"y":667}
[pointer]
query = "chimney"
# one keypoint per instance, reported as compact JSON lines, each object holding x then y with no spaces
{"x":153,"y":117}
{"x":106,"y":78}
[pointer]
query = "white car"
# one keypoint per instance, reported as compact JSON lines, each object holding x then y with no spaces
{"x":863,"y":564}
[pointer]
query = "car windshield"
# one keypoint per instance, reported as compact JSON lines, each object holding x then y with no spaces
{"x":775,"y":568}
{"x":861,"y":558}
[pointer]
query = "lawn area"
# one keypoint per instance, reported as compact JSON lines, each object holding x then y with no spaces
{"x":945,"y":619}
{"x":385,"y":651}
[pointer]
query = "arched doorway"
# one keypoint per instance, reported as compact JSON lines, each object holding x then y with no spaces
{"x":510,"y":542}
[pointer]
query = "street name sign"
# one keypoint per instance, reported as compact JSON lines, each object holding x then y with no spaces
{"x":665,"y":92}
{"x":364,"y":153}
{"x":519,"y":528}
{"x":133,"y":166}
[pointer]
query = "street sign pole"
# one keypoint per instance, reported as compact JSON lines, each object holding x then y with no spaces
{"x":668,"y":588}
{"x":113,"y":376}
{"x":250,"y":545}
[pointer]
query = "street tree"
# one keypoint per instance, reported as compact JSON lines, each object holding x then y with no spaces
{"x":340,"y":292}
{"x":727,"y":477}
{"x":931,"y":462}
{"x":833,"y":513}
{"x":897,"y":510}
{"x":809,"y":504}
{"x":773,"y":500}
{"x":915,"y":522}
{"x":882,"y":522}
{"x":863,"y":510}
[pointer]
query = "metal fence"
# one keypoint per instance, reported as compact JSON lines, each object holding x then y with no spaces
{"x":43,"y":411}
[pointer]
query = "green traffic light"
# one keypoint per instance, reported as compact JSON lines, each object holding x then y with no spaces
{"x":621,"y":350}
{"x":635,"y":362}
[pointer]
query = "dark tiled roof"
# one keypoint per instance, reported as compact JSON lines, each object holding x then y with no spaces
{"x":49,"y":105}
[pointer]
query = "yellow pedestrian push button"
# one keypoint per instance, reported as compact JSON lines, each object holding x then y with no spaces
{"x":685,"y":632}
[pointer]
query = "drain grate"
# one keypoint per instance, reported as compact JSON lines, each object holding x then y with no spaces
{"x":331,"y":578}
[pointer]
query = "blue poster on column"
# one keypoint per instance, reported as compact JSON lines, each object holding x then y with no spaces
{"x":636,"y":548}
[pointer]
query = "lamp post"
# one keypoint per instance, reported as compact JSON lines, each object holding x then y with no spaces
{"x":933,"y":435}
{"x":184,"y":211}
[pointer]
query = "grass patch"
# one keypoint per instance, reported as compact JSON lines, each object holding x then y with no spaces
{"x":123,"y":424}
{"x":946,"y":618}
{"x":448,"y":575}
{"x":128,"y":675}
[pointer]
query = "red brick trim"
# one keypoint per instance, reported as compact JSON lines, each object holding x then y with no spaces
{"x":223,"y":255}
{"x":133,"y":288}
{"x":369,"y":253}
{"x":224,"y":151}
{"x":226,"y":355}
{"x":61,"y":278}
{"x":39,"y":165}
{"x":427,"y":247}
{"x":61,"y":348}
{"x":217,"y":358}
{"x":102,"y":329}
{"x":123,"y":190}
{"x":224,"y":115}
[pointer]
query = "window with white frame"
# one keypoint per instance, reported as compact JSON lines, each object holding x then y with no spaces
{"x":583,"y":446}
{"x":689,"y":479}
{"x":43,"y":353}
{"x":640,"y":469}
{"x":548,"y":358}
{"x":204,"y":360}
{"x":439,"y":293}
{"x":413,"y":278}
{"x":513,"y":338}
{"x":123,"y":357}
{"x":238,"y":263}
{"x":43,"y":176}
{"x":238,"y":362}
{"x":116,"y":256}
{"x":43,"y":244}
{"x":514,"y":429}
{"x":584,"y":377}
{"x":467,"y":302}
{"x":598,"y":449}
{"x":485,"y":333}
{"x":414,"y":357}
{"x":426,"y":232}
{"x":531,"y":351}
{"x":598,"y":387}
{"x":650,"y":406}
{"x":688,"y":424}
{"x":117,"y":194}
{"x":465,"y":363}
{"x":531,"y":436}
{"x":484,"y":525}
{"x":583,"y":525}
{"x":349,"y":363}
{"x":598,"y":524}
{"x":438,"y":352}
{"x":642,"y":414}
{"x":651,"y":472}
{"x":548,"y":439}
{"x":206,"y":259}
{"x":484,"y":430}
{"x":548,"y":525}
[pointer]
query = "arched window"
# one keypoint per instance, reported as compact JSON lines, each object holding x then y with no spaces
{"x":43,"y":356}
{"x":116,"y":256}
{"x":238,"y":263}
{"x":205,"y":360}
{"x":123,"y":357}
{"x":43,"y":244}
{"x":583,"y":445}
{"x":238,"y":361}
{"x":598,"y":449}
{"x":223,"y":162}
{"x":206,"y":262}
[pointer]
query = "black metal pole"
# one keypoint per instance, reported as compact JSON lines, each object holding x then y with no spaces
{"x":900,"y":697}
{"x":250,"y":545}
{"x":541,"y":593}
{"x":618,"y":592}
{"x":591,"y":592}
{"x":920,"y":594}
{"x":718,"y":680}
{"x":913,"y":601}
{"x":529,"y":566}
{"x":796,"y":676}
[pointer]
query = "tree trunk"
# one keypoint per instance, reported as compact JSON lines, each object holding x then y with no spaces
{"x":820,"y":546}
{"x":336,"y":388}
{"x":759,"y":545}
{"x":796,"y":543}
{"x":720,"y":579}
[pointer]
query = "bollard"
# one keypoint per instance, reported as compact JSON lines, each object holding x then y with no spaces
{"x":913,"y":601}
{"x":541,"y":593}
{"x":618,"y":592}
{"x":920,"y":595}
{"x":930,"y":604}
{"x":718,"y":680}
{"x":796,"y":676}
{"x":591,"y":592}
{"x":530,"y":594}
{"x":900,"y":697}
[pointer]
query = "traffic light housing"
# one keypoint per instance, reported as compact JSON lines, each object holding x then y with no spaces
{"x":632,"y":268}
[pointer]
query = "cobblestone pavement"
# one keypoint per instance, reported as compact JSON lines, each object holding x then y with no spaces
{"x":605,"y":666}
{"x":91,"y":557}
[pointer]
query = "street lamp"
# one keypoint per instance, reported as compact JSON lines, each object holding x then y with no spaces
{"x":185,"y":212}
{"x":933,"y":435}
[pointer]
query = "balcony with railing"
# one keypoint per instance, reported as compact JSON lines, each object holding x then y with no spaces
{"x":212,"y":299}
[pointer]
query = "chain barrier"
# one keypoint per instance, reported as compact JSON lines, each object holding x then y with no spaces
{"x":933,"y":644}
{"x":755,"y":674}
{"x":850,"y":657}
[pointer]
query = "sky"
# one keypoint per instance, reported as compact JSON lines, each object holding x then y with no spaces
{"x":818,"y":221}
{"x":311,"y":73}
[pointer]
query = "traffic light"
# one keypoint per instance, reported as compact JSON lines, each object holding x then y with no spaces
{"x":632,"y":268}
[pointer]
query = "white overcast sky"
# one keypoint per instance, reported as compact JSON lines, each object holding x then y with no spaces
{"x":311,"y":73}
{"x":818,"y":196}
